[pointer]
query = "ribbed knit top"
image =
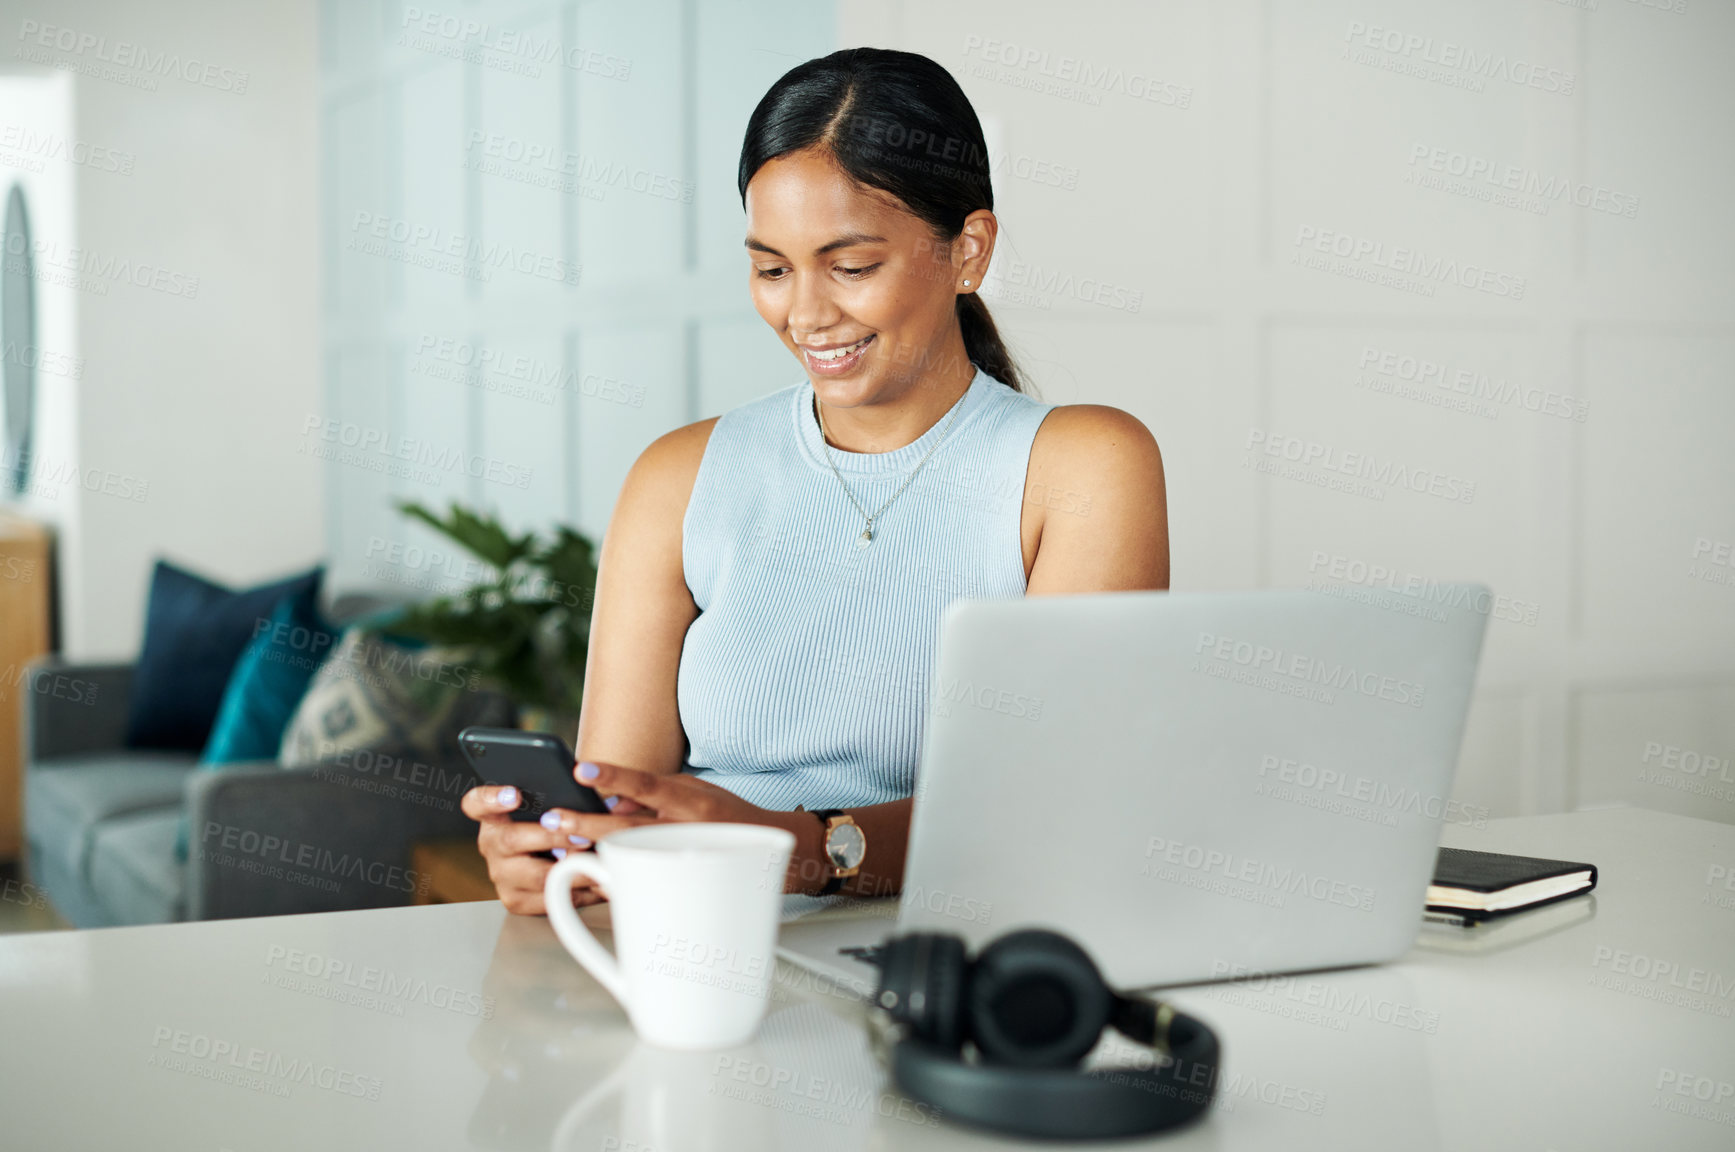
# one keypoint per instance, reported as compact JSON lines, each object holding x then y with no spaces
{"x":804,"y":680}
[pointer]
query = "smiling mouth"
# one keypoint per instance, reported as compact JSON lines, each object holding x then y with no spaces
{"x":835,"y":354}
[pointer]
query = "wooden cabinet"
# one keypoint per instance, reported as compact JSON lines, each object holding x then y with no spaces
{"x":26,"y":632}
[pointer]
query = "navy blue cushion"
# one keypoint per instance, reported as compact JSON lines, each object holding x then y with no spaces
{"x":195,"y":631}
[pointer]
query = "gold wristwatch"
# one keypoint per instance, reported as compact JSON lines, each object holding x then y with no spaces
{"x":845,"y":846}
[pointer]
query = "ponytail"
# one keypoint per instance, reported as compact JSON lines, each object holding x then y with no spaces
{"x":982,"y":342}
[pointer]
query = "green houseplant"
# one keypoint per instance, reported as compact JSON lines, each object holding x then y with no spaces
{"x":526,"y":624}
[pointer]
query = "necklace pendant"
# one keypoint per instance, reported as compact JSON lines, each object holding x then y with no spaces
{"x":866,"y":538}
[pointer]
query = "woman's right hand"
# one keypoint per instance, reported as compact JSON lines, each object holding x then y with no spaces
{"x":509,"y":846}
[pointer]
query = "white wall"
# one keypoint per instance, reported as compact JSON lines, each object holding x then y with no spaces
{"x":192,"y":395}
{"x":1259,"y":122}
{"x":476,"y":159}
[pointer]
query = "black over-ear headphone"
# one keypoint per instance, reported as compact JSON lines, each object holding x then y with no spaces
{"x":1032,"y":1004}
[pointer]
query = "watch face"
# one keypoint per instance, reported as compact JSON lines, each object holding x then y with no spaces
{"x":846,"y":846}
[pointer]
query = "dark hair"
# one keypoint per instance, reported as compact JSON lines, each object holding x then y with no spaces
{"x":896,"y":121}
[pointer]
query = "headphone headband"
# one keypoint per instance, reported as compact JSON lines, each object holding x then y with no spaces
{"x":1062,"y":1103}
{"x":1008,"y":1092}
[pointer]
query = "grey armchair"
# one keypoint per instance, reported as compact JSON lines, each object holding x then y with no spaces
{"x":101,"y":819}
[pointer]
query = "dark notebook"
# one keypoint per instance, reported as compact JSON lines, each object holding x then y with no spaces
{"x":1470,"y":886}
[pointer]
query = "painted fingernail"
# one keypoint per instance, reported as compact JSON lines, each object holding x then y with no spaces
{"x":611,"y":801}
{"x":507,"y":797}
{"x":579,"y":841}
{"x":559,"y":853}
{"x":551,"y":820}
{"x":588,"y":771}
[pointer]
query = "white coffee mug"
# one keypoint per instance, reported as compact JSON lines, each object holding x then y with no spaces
{"x":695,"y":909}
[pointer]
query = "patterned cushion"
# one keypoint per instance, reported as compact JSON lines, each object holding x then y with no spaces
{"x":391,"y":700}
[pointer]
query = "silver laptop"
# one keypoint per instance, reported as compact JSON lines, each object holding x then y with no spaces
{"x":1195,"y":786}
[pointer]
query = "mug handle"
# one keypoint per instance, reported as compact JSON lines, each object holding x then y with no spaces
{"x":557,"y":895}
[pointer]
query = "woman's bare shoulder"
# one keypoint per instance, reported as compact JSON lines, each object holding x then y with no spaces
{"x":1096,"y":483}
{"x":1095,"y":444}
{"x":669,"y":465}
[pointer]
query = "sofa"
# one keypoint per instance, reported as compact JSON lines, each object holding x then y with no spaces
{"x":101,"y":819}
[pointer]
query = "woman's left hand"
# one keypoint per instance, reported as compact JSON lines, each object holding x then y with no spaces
{"x":678,"y":797}
{"x":653,"y":798}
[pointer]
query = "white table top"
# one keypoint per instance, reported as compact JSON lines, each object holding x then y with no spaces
{"x":459,"y":1026}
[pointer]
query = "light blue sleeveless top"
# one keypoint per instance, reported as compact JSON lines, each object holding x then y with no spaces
{"x":804,"y":680}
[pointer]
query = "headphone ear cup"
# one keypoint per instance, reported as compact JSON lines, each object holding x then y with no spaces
{"x":1036,"y":1000}
{"x":922,"y":981}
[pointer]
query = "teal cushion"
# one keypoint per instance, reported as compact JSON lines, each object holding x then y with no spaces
{"x":268,"y":683}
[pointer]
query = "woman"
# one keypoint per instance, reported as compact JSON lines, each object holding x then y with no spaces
{"x":771,"y":583}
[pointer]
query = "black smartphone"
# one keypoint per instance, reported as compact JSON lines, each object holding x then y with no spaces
{"x":538,"y":764}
